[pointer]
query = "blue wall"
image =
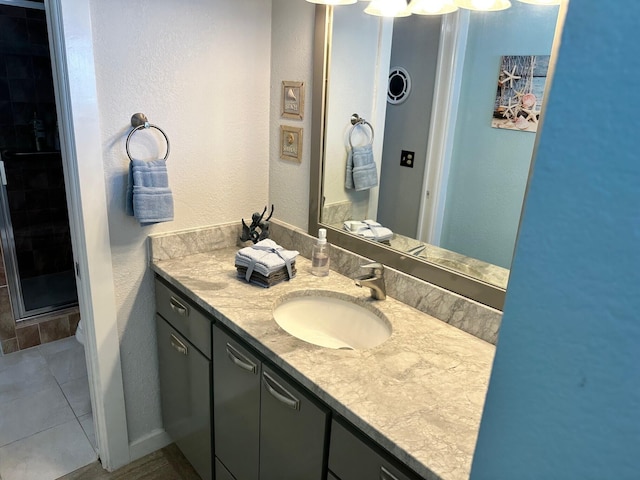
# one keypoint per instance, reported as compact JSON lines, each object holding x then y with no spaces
{"x":489,"y":167}
{"x":564,"y":395}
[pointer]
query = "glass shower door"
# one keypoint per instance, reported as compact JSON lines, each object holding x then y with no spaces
{"x":36,"y":237}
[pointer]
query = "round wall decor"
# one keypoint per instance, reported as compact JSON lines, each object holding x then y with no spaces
{"x":399,"y":86}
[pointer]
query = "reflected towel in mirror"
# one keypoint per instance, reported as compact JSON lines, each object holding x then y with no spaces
{"x":362,"y":173}
{"x":369,"y":229}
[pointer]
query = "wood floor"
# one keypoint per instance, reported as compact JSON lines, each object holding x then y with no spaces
{"x":165,"y":464}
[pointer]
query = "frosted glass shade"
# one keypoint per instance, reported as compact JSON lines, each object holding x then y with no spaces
{"x":333,"y":2}
{"x":432,"y":7}
{"x":484,"y":5}
{"x":542,"y":2}
{"x":388,"y":8}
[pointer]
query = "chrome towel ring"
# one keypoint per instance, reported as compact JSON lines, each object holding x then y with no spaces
{"x":140,"y":121}
{"x":358,"y":120}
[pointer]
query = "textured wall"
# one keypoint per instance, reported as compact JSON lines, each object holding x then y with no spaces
{"x":564,"y":397}
{"x":201,"y":72}
{"x":489,"y":166}
{"x":292,"y":60}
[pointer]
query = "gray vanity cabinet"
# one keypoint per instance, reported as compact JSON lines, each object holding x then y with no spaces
{"x":353,"y":458}
{"x":185,"y":376}
{"x":236,"y":408}
{"x":236,"y":417}
{"x":292,"y":431}
{"x":221,"y":472}
{"x":265,"y":427}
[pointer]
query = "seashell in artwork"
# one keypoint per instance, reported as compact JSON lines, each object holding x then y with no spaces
{"x":522,"y":123}
{"x":529,"y":100}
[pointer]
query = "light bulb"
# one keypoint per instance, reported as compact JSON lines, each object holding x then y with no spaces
{"x":333,"y":2}
{"x":542,"y":2}
{"x":432,"y":7}
{"x":388,"y":8}
{"x":484,"y":5}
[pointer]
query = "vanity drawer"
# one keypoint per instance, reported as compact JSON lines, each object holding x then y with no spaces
{"x":184,"y":317}
{"x":352,"y":458}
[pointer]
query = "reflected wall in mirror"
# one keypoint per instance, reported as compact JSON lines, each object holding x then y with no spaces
{"x":450,"y":187}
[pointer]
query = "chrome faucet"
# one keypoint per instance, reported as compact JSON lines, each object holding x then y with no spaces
{"x":373,"y":280}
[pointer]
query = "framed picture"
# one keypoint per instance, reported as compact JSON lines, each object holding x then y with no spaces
{"x":291,"y":143}
{"x":293,"y":100}
{"x":521,"y":87}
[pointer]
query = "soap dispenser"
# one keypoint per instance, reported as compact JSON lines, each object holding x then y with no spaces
{"x":320,"y":255}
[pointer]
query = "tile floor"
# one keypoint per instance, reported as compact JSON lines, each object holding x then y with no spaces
{"x":46,"y":426}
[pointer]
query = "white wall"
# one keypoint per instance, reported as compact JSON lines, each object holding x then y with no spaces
{"x":564,"y":395}
{"x":292,"y":60}
{"x":200,"y":71}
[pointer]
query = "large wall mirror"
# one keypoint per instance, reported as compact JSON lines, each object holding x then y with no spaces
{"x":430,"y":174}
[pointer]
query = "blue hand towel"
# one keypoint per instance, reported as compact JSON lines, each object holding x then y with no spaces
{"x":149,"y":198}
{"x":362,"y":173}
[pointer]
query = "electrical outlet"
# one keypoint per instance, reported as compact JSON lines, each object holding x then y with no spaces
{"x":407,"y":158}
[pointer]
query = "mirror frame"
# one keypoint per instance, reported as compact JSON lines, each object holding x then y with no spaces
{"x":475,"y":289}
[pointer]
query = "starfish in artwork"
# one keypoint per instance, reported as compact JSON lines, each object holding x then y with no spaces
{"x":519,"y":94}
{"x":511,"y":109}
{"x":510,"y":77}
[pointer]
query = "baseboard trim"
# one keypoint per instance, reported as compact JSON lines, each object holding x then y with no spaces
{"x":151,"y":442}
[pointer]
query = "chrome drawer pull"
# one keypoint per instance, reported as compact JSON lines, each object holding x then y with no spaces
{"x":386,"y":474}
{"x":178,"y":345}
{"x":286,"y":398}
{"x":240,"y":360}
{"x":178,"y":307}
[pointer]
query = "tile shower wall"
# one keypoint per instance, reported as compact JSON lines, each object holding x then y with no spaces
{"x":38,"y":206}
{"x":26,"y":86}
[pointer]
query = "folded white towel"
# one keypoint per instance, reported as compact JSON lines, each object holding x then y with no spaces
{"x":369,"y":229}
{"x":265,"y":257}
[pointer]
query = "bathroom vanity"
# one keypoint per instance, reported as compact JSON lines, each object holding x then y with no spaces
{"x":276,"y":407}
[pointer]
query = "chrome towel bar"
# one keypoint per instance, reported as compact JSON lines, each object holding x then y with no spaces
{"x":358,"y":120}
{"x":140,"y":121}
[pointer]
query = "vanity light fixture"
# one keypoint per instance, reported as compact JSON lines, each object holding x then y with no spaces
{"x":542,"y":2}
{"x":484,"y":5}
{"x":432,"y":7}
{"x":388,"y":8}
{"x":333,"y":2}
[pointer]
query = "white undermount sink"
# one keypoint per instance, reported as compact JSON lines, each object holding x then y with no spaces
{"x":331,"y":320}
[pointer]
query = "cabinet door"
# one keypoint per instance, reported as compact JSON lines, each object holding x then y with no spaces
{"x":292,"y":432}
{"x":236,"y":406}
{"x":184,"y":317}
{"x":350,"y":458}
{"x":185,"y":392}
{"x":221,"y":472}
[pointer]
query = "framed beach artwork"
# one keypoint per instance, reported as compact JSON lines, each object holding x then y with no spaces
{"x":293,"y":100}
{"x":521,"y":84}
{"x":291,"y":143}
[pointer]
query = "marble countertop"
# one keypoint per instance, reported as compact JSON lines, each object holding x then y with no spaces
{"x":420,"y":394}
